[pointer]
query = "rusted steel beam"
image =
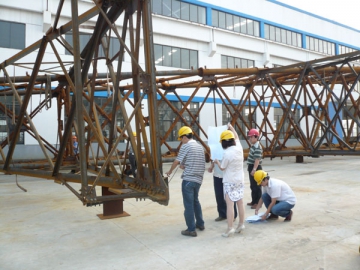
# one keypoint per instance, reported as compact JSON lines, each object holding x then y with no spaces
{"x":302,"y":95}
{"x":25,"y":101}
{"x":78,"y":83}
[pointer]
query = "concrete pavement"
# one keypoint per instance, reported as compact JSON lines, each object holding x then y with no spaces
{"x":48,"y":228}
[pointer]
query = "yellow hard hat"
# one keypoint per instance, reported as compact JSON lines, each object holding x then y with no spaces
{"x":134,"y":133}
{"x":183,"y":131}
{"x":259,"y":176}
{"x":226,"y":135}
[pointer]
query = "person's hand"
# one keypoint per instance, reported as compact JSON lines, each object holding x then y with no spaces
{"x":168,"y":173}
{"x":256,"y":211}
{"x":182,"y":167}
{"x":264,"y":216}
{"x":210,"y":170}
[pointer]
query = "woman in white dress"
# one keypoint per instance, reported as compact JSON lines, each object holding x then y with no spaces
{"x":233,"y":179}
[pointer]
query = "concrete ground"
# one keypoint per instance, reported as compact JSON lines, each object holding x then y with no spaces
{"x":48,"y":228}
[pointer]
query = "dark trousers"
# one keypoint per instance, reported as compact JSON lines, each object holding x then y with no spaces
{"x":133,"y":166}
{"x":255,"y":189}
{"x":220,"y":201}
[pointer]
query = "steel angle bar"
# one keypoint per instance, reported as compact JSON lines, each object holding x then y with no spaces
{"x":117,"y":141}
{"x":98,"y":135}
{"x":110,"y":24}
{"x":194,"y":118}
{"x":290,"y":114}
{"x":29,"y":120}
{"x":25,"y":101}
{"x":50,"y":36}
{"x":341,"y":105}
{"x":78,"y":82}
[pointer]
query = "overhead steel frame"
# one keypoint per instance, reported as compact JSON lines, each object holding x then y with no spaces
{"x":325,"y":91}
{"x":74,"y":87}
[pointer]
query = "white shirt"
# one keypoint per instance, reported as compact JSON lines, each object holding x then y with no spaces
{"x":280,"y":190}
{"x":232,"y":162}
{"x":217,"y":172}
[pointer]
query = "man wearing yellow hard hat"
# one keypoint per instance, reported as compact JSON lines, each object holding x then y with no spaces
{"x":191,"y":159}
{"x":277,"y":196}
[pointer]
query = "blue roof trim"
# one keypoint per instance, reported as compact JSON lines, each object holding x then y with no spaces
{"x":219,"y":8}
{"x":277,"y":2}
{"x":172,"y":97}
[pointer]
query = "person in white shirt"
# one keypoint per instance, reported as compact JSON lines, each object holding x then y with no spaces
{"x":233,"y":179}
{"x":277,"y":196}
{"x":219,"y":192}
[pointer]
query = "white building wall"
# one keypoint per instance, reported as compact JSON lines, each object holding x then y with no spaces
{"x":210,"y":43}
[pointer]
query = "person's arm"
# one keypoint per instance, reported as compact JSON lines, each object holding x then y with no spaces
{"x":233,"y":131}
{"x":173,"y":166}
{"x":219,"y":164}
{"x":273,"y":202}
{"x":210,"y":169}
{"x":256,"y":164}
{"x":259,"y":204}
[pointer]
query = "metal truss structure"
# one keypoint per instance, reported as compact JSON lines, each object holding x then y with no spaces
{"x":325,"y":91}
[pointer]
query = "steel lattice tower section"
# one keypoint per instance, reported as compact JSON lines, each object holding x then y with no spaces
{"x":325,"y":92}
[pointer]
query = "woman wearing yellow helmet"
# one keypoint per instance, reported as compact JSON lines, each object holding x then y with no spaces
{"x":233,"y":179}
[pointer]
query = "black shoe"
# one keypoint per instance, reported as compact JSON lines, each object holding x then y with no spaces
{"x":188,"y":233}
{"x":201,"y":228}
{"x":288,"y":218}
{"x":219,"y":218}
{"x":272,"y":216}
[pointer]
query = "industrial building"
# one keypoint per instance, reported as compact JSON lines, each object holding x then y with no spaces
{"x":106,"y":70}
{"x":187,"y":35}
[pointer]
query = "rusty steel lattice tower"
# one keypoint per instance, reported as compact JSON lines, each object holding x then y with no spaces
{"x":324,"y":91}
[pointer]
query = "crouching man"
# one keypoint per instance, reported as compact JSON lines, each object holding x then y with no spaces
{"x":277,"y":196}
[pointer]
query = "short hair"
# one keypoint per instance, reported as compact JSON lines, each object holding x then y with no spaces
{"x":189,"y":136}
{"x":227,"y":143}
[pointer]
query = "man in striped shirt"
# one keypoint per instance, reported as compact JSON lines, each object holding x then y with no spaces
{"x":254,"y":164}
{"x":191,"y":158}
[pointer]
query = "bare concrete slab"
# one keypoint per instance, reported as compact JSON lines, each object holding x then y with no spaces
{"x":48,"y":228}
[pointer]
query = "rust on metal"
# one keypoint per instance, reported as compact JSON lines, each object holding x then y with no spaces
{"x":325,"y":92}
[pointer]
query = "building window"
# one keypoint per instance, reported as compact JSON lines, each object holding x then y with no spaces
{"x":114,"y":47}
{"x":343,"y":49}
{"x":175,"y":57}
{"x":278,"y":115}
{"x":234,"y":62}
{"x":235,"y":23}
{"x":318,"y":45}
{"x":167,"y":117}
{"x":350,"y":126}
{"x":12,"y":35}
{"x":106,"y":105}
{"x":283,"y":36}
{"x":249,"y":115}
{"x":179,"y":10}
{"x":6,"y":126}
